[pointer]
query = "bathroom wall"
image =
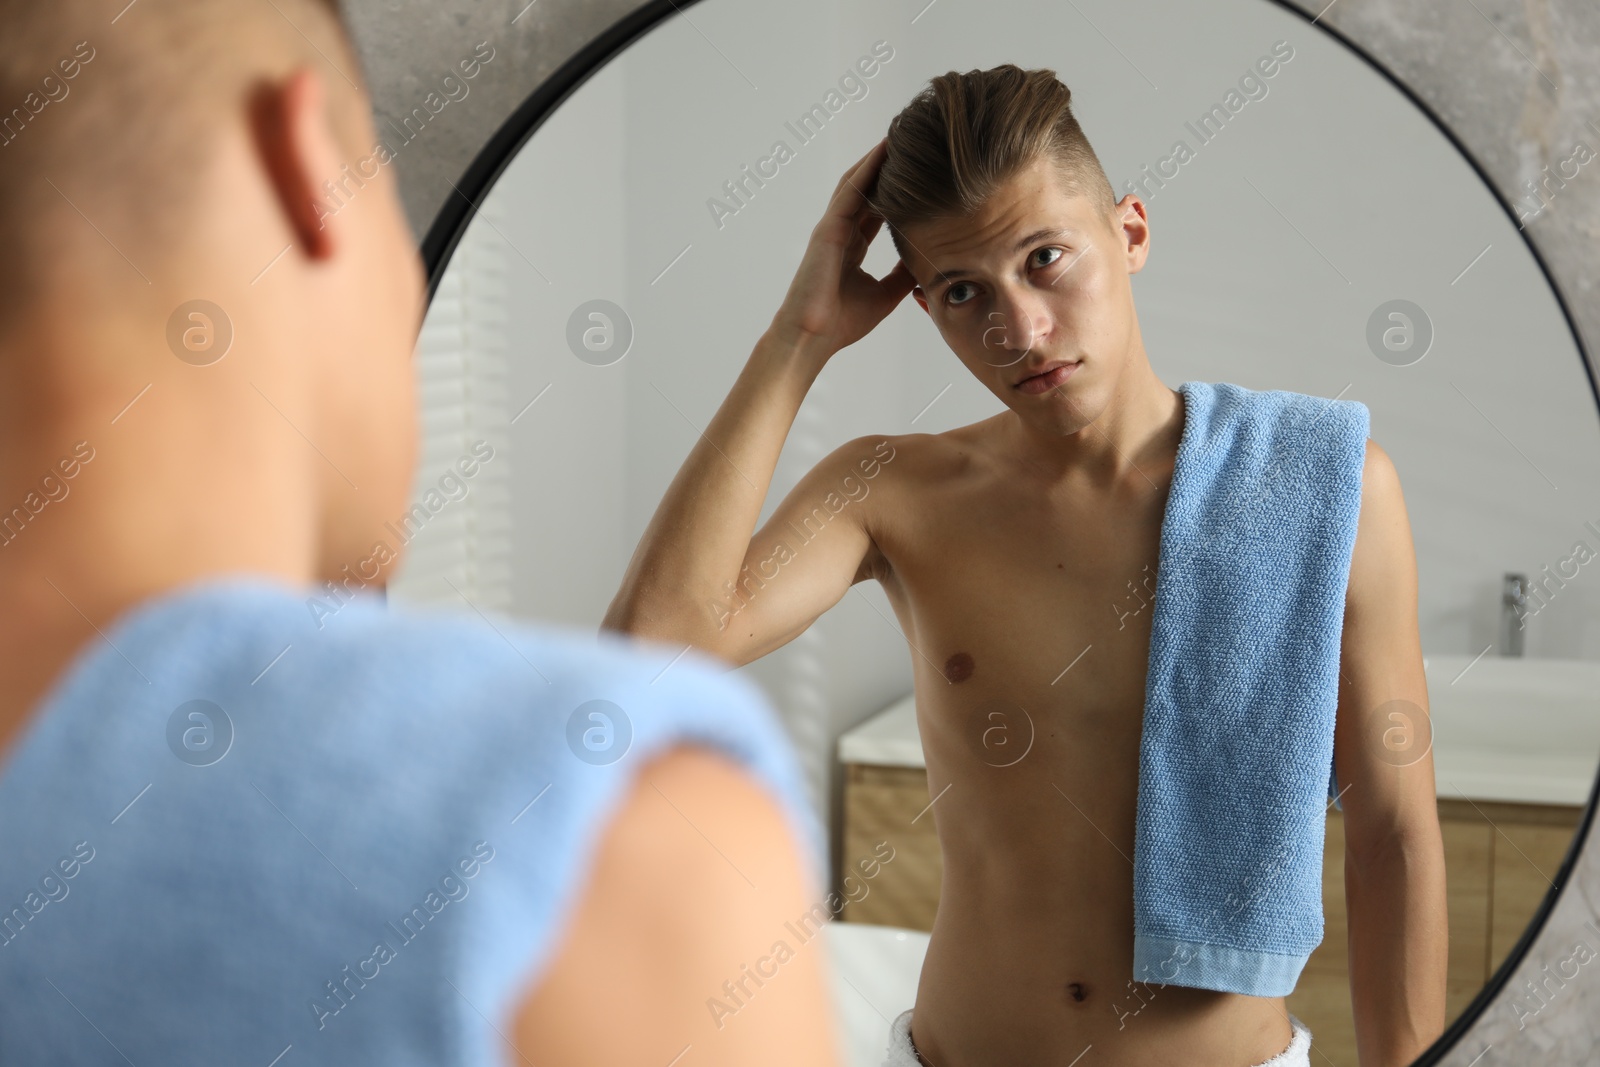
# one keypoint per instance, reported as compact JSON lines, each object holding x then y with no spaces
{"x":563,"y":213}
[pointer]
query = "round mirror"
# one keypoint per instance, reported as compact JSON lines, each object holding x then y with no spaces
{"x":615,"y":255}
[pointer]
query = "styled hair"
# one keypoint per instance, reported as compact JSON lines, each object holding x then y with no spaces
{"x":964,"y":135}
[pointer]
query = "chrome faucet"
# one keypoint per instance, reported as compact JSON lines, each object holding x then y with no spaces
{"x":1513,"y":609}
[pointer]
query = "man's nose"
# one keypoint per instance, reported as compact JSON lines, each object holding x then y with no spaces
{"x":1016,"y":325}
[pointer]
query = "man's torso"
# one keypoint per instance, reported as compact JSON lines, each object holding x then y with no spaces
{"x":1027,"y":608}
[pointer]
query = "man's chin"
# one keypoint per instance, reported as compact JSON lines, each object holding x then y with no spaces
{"x":1055,"y":412}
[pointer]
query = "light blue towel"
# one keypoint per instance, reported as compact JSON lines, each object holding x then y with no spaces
{"x":243,"y":831}
{"x":1236,"y":755}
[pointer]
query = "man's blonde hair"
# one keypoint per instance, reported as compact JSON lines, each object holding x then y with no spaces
{"x":965,"y":134}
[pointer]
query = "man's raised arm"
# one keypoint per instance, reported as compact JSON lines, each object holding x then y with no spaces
{"x":696,"y":546}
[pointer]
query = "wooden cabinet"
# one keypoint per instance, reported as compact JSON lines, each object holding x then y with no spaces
{"x":887,"y":804}
{"x":1500,"y":861}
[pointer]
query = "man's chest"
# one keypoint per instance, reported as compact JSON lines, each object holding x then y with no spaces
{"x":999,"y":592}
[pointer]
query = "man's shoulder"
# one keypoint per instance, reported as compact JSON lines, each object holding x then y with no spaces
{"x":1231,"y":394}
{"x":487,"y":648}
{"x":928,"y":454}
{"x":329,"y":640}
{"x":1280,"y":412}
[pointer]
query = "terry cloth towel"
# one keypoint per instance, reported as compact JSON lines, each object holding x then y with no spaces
{"x":1236,"y":754}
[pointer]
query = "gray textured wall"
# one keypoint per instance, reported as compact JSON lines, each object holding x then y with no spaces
{"x":1517,"y":81}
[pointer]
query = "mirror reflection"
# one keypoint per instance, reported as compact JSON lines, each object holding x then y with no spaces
{"x":1137,"y":456}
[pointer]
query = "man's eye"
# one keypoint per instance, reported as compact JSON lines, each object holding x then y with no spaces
{"x":948,"y":295}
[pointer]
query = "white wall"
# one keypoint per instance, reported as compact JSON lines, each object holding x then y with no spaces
{"x":564,"y":201}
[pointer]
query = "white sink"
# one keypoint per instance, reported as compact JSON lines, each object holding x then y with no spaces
{"x":887,"y":739}
{"x":1516,"y":729}
{"x":1510,"y":729}
{"x":874,"y":972}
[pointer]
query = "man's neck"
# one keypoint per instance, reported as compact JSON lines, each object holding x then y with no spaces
{"x":65,"y":597}
{"x":168,"y":497}
{"x":1135,"y":435}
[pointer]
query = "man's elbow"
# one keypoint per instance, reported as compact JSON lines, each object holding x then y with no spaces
{"x":639,"y":614}
{"x":641,"y":623}
{"x":1418,"y":842}
{"x":623,"y":617}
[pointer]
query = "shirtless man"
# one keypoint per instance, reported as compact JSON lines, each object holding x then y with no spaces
{"x":1001,"y":545}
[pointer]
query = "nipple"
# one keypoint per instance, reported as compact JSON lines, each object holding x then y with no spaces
{"x":959,"y":667}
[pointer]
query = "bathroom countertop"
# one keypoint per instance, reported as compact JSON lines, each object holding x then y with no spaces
{"x":1507,"y":730}
{"x":887,"y":739}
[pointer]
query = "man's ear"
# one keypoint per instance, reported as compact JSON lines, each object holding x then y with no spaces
{"x":1130,"y":226}
{"x":921,"y":298}
{"x":289,"y":119}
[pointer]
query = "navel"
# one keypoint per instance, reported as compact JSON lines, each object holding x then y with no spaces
{"x":959,"y":667}
{"x":1078,"y":991}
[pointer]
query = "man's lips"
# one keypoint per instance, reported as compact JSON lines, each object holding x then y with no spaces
{"x":1047,"y":376}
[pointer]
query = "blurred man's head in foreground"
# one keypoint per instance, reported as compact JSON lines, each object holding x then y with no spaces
{"x":175,"y":290}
